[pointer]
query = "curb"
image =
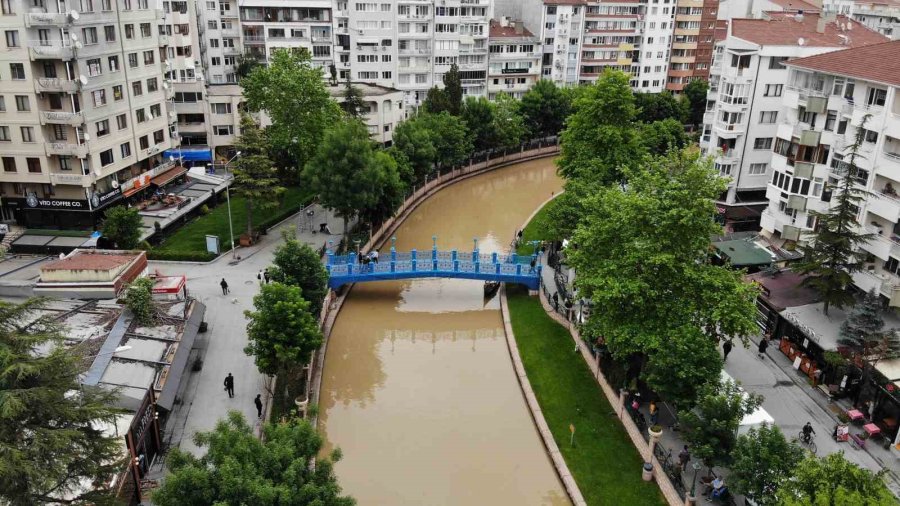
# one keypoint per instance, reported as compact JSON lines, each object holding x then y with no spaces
{"x":535,"y":409}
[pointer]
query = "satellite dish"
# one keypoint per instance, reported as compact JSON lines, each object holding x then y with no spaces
{"x":82,"y":79}
{"x":114,"y":183}
{"x":165,"y":85}
{"x":801,"y":41}
{"x":87,"y":137}
{"x":77,"y":45}
{"x":74,"y":15}
{"x":73,"y":36}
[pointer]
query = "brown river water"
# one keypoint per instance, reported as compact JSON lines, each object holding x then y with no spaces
{"x":418,"y":388}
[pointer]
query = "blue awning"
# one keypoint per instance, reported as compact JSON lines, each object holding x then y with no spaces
{"x":190,"y":154}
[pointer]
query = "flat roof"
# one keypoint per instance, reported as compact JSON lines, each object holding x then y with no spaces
{"x":785,"y":289}
{"x":826,"y":329}
{"x":743,"y":252}
{"x":91,"y":260}
{"x":787,"y":28}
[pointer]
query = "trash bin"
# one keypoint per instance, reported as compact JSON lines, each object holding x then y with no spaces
{"x":648,"y":471}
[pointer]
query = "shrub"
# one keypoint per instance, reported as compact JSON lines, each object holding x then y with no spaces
{"x":139,"y":299}
{"x":180,"y":256}
{"x":204,"y":209}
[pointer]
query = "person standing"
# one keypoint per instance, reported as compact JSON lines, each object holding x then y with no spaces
{"x":684,"y":457}
{"x":726,"y":349}
{"x":229,"y":385}
{"x":266,"y":275}
{"x":258,"y":403}
{"x":224,"y":286}
{"x":762,"y":346}
{"x":259,"y":277}
{"x":654,"y":413}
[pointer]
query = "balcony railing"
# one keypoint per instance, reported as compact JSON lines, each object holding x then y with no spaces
{"x":47,"y":19}
{"x":64,"y":149}
{"x":62,"y":118}
{"x":55,"y":85}
{"x":51,"y":49}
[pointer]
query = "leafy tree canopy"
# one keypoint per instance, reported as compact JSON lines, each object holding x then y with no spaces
{"x":139,"y":299}
{"x":292,"y":92}
{"x":433,"y":141}
{"x":711,"y":427}
{"x":509,"y":129}
{"x":282,"y":332}
{"x":52,"y":437}
{"x":255,"y":177}
{"x":296,"y":264}
{"x":834,"y":481}
{"x":544,"y":109}
{"x":123,"y":227}
{"x":683,"y":364}
{"x":763,"y":461}
{"x":239,"y":468}
{"x":661,"y":136}
{"x":353,"y":100}
{"x":478,"y":115}
{"x":453,"y":90}
{"x":660,"y":106}
{"x":695,"y":94}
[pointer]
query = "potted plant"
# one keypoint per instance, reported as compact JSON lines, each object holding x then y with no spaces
{"x":655,"y":430}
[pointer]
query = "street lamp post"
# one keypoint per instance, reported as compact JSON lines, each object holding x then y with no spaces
{"x":696,"y":466}
{"x":228,"y":201}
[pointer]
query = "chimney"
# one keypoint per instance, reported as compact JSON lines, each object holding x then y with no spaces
{"x":504,"y":21}
{"x":820,"y":24}
{"x":520,"y":27}
{"x":799,"y":16}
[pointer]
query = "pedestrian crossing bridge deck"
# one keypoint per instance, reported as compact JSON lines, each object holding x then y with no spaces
{"x":434,"y":263}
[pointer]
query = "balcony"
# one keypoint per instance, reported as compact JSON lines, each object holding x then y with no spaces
{"x":47,"y":19}
{"x":886,"y":206}
{"x":254,"y":39}
{"x":70,"y":179}
{"x":62,"y":118}
{"x":63,"y":149}
{"x":51,"y":50}
{"x":54,"y":85}
{"x":883,"y":283}
{"x":414,"y":51}
{"x":321,"y":38}
{"x":729,"y":130}
{"x":231,"y":51}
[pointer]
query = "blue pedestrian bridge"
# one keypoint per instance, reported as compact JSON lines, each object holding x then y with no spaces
{"x":511,"y":268}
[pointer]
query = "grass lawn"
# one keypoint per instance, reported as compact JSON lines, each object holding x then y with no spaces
{"x":603,"y":461}
{"x":192,"y":237}
{"x":535,"y":230}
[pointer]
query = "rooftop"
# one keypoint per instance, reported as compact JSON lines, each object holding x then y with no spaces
{"x":784,"y":290}
{"x":91,"y":260}
{"x":743,"y":253}
{"x":877,"y":62}
{"x":787,"y":29}
{"x":796,"y":5}
{"x":498,"y":30}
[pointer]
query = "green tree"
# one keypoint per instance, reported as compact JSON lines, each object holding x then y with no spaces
{"x":139,"y":299}
{"x":834,"y":481}
{"x":353,"y":103}
{"x":292,"y":92}
{"x":345,"y":173}
{"x":695,"y":93}
{"x":863,"y":332}
{"x":711,"y":427}
{"x":296,"y":264}
{"x":436,"y":101}
{"x":391,"y":187}
{"x":682,"y":365}
{"x":762,"y":461}
{"x":601,"y":138}
{"x":661,"y":136}
{"x":414,"y":148}
{"x":123,"y":227}
{"x":51,"y":440}
{"x":255,"y":177}
{"x":642,"y":257}
{"x":433,"y":141}
{"x":508,"y":126}
{"x":282,"y":331}
{"x":659,"y":106}
{"x":453,"y":89}
{"x":832,"y":253}
{"x":478,"y":115}
{"x":544,"y":109}
{"x":240,"y":468}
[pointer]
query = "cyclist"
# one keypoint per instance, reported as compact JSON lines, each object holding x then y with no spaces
{"x":808,"y":432}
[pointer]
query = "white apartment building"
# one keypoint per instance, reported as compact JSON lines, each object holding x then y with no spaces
{"x":514,"y":61}
{"x":383,"y":108}
{"x":747,"y":93}
{"x":810,"y":155}
{"x":84,"y":108}
{"x":653,"y":56}
{"x":882,"y":16}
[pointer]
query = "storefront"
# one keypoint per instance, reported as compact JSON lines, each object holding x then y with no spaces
{"x":55,"y":213}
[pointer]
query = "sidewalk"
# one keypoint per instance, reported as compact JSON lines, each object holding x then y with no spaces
{"x":221,"y":348}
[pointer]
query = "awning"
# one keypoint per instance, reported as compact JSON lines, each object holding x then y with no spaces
{"x":169,"y":175}
{"x":179,"y":364}
{"x":743,"y":253}
{"x":189,"y":154}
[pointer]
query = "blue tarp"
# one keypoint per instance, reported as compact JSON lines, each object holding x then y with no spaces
{"x":190,"y":154}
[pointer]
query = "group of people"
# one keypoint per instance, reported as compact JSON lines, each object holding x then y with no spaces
{"x":263,"y":276}
{"x":229,"y":389}
{"x":372,"y":257}
{"x":761,"y":349}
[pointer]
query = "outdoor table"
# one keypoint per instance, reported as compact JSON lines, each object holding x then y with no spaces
{"x":872,"y":429}
{"x":855,"y":414}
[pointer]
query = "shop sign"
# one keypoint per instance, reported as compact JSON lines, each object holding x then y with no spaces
{"x":101,"y":199}
{"x":35,"y":202}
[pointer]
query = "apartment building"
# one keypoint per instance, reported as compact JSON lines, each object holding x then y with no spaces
{"x":382,"y":108}
{"x":83,"y":107}
{"x":882,"y":16}
{"x":826,"y":100}
{"x":514,"y":60}
{"x":695,"y":33}
{"x":747,"y":93}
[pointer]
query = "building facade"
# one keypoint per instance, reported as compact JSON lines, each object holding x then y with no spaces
{"x":514,"y":59}
{"x":882,"y":16}
{"x":84,"y":106}
{"x":383,"y":108}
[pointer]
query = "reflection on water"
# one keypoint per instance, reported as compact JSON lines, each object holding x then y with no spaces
{"x":418,"y":389}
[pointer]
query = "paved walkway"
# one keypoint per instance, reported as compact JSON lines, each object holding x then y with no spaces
{"x":222,"y":346}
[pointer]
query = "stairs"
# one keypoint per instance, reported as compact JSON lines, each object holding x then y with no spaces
{"x":14,"y":233}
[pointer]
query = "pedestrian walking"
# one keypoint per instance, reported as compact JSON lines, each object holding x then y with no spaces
{"x":654,"y":413}
{"x":555,"y":301}
{"x":224,"y":286}
{"x":258,"y":403}
{"x":762,"y":347}
{"x":229,"y":385}
{"x":684,"y":457}
{"x":532,"y":266}
{"x":726,"y":349}
{"x":266,"y":275}
{"x":259,"y":277}
{"x":374,"y":256}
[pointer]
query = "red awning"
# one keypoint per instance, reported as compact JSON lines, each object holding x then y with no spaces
{"x":169,"y":175}
{"x":131,"y":191}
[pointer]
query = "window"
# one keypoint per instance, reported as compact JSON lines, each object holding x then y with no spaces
{"x":768,"y":117}
{"x":109,"y":32}
{"x":6,"y":7}
{"x":137,"y":88}
{"x":757,"y":169}
{"x":27,"y":134}
{"x":155,"y":111}
{"x":871,"y":136}
{"x":830,"y":120}
{"x":132,"y":60}
{"x":9,"y":164}
{"x":210,"y":6}
{"x":12,"y":38}
{"x":144,"y":142}
{"x":145,"y":30}
{"x":212,"y":25}
{"x":892,"y":265}
{"x":22,"y":103}
{"x":49,"y":70}
{"x":113,"y":63}
{"x":55,"y":101}
{"x":213,"y":42}
{"x":125,"y":148}
{"x":148,"y":58}
{"x":122,"y":121}
{"x":216,"y":61}
{"x":17,"y":70}
{"x":129,"y":31}
{"x":117,"y":92}
{"x":223,"y":130}
{"x":762,"y":143}
{"x":65,"y":163}
{"x":875,"y":98}
{"x":152,"y":85}
{"x":102,"y":128}
{"x":94,"y":67}
{"x":2,"y":104}
{"x":89,"y":36}
{"x":34,"y":165}
{"x":386,"y":75}
{"x":221,"y":108}
{"x":777,"y":62}
{"x":106,"y":158}
{"x":321,"y":51}
{"x":99,"y":97}
{"x":59,"y":133}
{"x":140,"y":115}
{"x":4,"y":133}
{"x":773,"y":90}
{"x":159,"y":136}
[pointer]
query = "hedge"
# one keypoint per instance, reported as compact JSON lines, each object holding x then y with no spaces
{"x":180,"y":256}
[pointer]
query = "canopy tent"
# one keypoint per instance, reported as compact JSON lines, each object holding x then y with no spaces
{"x":190,"y":154}
{"x":755,"y":419}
